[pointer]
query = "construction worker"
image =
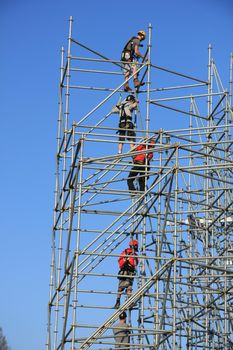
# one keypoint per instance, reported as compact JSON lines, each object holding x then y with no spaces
{"x":130,"y":54}
{"x":126,"y":127}
{"x":141,"y":163}
{"x":122,"y":333}
{"x":127,"y":264}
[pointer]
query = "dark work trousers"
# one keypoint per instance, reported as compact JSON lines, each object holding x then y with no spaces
{"x":137,"y":171}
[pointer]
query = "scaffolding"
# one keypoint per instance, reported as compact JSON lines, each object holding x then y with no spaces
{"x":183,"y":292}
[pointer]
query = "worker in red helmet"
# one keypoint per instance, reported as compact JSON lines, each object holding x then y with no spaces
{"x":141,"y":162}
{"x":128,"y":262}
{"x":130,"y":56}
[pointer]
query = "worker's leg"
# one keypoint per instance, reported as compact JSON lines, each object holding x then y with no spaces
{"x":141,"y":179}
{"x":131,"y":135}
{"x":121,"y":139}
{"x":129,"y":290}
{"x":120,"y":146}
{"x":143,"y":174}
{"x":127,"y":71}
{"x":134,"y":69}
{"x":129,"y":293}
{"x":137,"y":83}
{"x":132,"y":176}
{"x":123,"y":284}
{"x":119,"y":292}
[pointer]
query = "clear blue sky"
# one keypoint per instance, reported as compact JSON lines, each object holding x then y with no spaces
{"x":31,"y":35}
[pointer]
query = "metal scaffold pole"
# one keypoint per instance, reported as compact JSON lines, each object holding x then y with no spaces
{"x":181,"y":297}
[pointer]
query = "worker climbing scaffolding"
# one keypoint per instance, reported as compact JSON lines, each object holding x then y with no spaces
{"x":128,"y":262}
{"x":126,"y":125}
{"x":130,"y":56}
{"x":141,"y":166}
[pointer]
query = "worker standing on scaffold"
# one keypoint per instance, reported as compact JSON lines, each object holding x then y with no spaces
{"x":126,"y":125}
{"x":127,"y":264}
{"x":141,"y":166}
{"x":122,"y":333}
{"x":130,"y":54}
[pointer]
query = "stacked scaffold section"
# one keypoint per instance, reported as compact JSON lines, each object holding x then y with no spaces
{"x":183,"y":290}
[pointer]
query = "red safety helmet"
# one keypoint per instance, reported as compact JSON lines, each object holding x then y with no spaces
{"x":133,"y":243}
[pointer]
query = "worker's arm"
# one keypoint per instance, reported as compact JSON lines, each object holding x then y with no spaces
{"x":137,"y":52}
{"x":150,"y":156}
{"x":134,"y":105}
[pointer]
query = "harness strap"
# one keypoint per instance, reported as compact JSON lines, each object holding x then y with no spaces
{"x":131,"y":46}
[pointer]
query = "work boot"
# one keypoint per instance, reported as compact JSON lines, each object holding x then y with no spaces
{"x":137,"y":83}
{"x":117,"y":305}
{"x":127,"y":88}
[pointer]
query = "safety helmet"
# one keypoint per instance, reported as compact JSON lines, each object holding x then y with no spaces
{"x":130,"y":98}
{"x":152,"y":141}
{"x":133,"y":243}
{"x":142,"y":33}
{"x":123,"y":315}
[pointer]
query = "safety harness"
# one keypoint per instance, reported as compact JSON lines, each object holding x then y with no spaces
{"x":127,"y":264}
{"x":124,"y":118}
{"x":128,"y":51}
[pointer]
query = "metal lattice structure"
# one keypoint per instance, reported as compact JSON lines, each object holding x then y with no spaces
{"x":183,"y":291}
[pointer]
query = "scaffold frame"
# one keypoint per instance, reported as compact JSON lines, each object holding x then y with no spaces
{"x":183,"y":291}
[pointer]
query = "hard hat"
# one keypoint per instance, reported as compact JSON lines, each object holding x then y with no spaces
{"x":142,"y":33}
{"x":122,"y":316}
{"x":130,"y":98}
{"x":133,"y":243}
{"x":149,"y":141}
